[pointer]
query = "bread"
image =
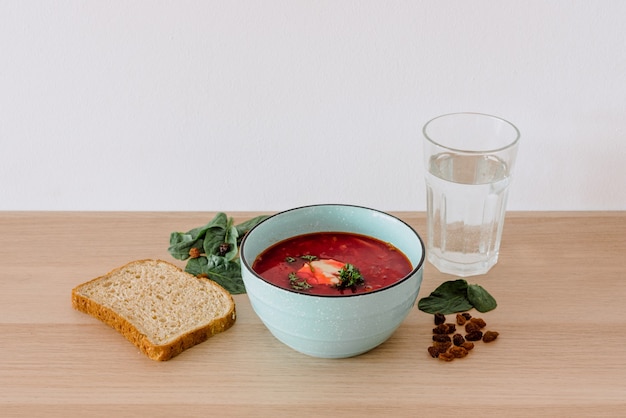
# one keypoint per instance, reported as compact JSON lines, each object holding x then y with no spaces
{"x":157,"y":306}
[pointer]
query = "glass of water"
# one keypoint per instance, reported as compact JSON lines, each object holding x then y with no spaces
{"x":469,"y":160}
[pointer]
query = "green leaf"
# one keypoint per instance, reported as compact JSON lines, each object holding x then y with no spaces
{"x":196,"y":266}
{"x":232,"y":238}
{"x":480,"y":298}
{"x":182,"y":242}
{"x":449,"y":297}
{"x":219,"y":222}
{"x":226,"y":273}
{"x":219,"y":242}
{"x":225,"y":235}
{"x":457,"y":296}
{"x":244,"y":227}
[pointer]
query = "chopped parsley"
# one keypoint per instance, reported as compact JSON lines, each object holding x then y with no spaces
{"x":298,"y":284}
{"x":349,"y":276}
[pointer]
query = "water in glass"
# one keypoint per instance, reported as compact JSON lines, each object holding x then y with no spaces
{"x":466,"y":195}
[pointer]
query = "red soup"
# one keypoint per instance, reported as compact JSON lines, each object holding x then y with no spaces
{"x":332,"y":263}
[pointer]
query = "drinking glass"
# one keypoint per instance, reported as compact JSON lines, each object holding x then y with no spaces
{"x":469,"y":159}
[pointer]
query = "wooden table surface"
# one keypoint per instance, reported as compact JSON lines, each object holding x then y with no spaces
{"x":560,"y":285}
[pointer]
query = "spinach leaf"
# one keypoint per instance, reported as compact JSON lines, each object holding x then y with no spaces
{"x":480,"y":298}
{"x":449,"y":297}
{"x":227,"y":234}
{"x":457,"y":296}
{"x":216,"y":246}
{"x":244,"y":227}
{"x":182,"y":242}
{"x":226,"y":273}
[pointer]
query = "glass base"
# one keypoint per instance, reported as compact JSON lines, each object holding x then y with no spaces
{"x":462,"y":268}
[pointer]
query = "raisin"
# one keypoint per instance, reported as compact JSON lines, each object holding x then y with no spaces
{"x":479,"y":321}
{"x":447,"y":347}
{"x":444,"y":329}
{"x":441,"y":338}
{"x":458,"y":352}
{"x":490,"y":336}
{"x":223,"y":249}
{"x":458,"y":339}
{"x":471,"y":327}
{"x":442,"y":346}
{"x":468,"y":345}
{"x":474,"y":336}
{"x":434,"y":351}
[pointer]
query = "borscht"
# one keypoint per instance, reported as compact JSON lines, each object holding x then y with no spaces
{"x":332,"y":263}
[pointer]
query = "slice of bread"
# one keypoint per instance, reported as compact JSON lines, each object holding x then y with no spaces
{"x":157,"y":306}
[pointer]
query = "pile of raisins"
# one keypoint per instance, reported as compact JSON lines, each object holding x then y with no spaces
{"x":448,"y":344}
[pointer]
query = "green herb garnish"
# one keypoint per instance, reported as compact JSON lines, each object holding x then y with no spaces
{"x":480,"y":298}
{"x":309,"y":257}
{"x":298,"y":284}
{"x":456,"y":296}
{"x":349,"y":276}
{"x":289,"y":259}
{"x":211,"y":250}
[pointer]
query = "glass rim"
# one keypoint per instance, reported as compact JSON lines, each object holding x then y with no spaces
{"x":467,"y":151}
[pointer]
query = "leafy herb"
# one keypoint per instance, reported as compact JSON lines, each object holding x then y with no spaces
{"x":480,"y":298}
{"x":449,"y":297}
{"x":457,"y":296}
{"x":218,"y":269}
{"x":349,"y":276}
{"x":215,"y":247}
{"x":298,"y":284}
{"x":308,"y":257}
{"x":289,"y":259}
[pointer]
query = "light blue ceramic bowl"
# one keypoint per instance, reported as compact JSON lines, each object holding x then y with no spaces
{"x":332,"y":326}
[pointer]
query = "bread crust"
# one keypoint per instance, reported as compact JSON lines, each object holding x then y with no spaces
{"x":131,"y":333}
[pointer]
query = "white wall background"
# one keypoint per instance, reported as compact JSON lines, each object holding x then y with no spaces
{"x":268,"y":105}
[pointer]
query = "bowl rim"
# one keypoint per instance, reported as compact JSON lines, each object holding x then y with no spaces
{"x":413,"y":271}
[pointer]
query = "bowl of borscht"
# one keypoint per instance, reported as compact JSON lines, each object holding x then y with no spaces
{"x":331,"y":280}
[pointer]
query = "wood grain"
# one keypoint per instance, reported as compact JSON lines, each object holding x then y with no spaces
{"x":560,"y":284}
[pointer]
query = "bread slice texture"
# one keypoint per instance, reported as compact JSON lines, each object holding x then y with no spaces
{"x":157,"y":306}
